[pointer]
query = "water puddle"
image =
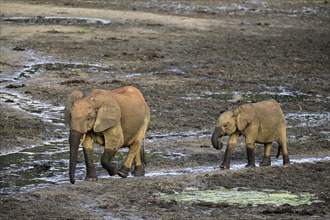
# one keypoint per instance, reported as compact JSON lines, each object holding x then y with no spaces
{"x":58,"y":20}
{"x":241,"y":197}
{"x":44,"y":111}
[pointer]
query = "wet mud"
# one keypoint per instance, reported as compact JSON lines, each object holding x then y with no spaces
{"x":191,"y":60}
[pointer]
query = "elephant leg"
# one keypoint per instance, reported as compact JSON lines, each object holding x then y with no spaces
{"x":282,"y":143}
{"x":250,"y":152}
{"x":226,"y":161}
{"x":134,"y":152}
{"x":266,"y":160}
{"x":88,"y":154}
{"x":139,"y":170}
{"x":107,"y":156}
{"x":229,"y":150}
{"x":114,"y":139}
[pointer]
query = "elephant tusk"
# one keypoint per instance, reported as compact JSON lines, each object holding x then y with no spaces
{"x":82,"y":139}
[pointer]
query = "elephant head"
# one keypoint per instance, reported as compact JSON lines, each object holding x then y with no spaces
{"x":231,"y":121}
{"x":94,"y":113}
{"x":225,"y":126}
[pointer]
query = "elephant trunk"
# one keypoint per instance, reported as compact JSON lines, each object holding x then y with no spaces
{"x":217,"y":138}
{"x":74,"y":140}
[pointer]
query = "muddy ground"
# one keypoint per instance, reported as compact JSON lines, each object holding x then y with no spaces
{"x":188,"y":58}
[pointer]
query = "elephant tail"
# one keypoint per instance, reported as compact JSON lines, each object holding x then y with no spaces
{"x":278,"y":151}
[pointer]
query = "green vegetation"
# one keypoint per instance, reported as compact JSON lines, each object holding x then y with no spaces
{"x":242,"y":197}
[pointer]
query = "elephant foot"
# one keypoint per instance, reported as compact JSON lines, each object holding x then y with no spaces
{"x":111,"y":168}
{"x":250,"y":156}
{"x":250,"y":165}
{"x":90,"y":178}
{"x":123,"y":171}
{"x":225,"y":166}
{"x":286,"y":160}
{"x":139,"y":170}
{"x":265,"y":162}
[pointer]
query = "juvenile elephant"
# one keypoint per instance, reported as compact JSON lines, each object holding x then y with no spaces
{"x":113,"y":118}
{"x":261,"y":122}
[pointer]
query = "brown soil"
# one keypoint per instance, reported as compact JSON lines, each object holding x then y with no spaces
{"x":176,"y":54}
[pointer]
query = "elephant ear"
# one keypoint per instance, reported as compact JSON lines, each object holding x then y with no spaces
{"x":108,"y":116}
{"x":244,"y":115}
{"x":74,"y":96}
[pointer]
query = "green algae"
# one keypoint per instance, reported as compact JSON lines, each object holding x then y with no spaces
{"x":242,"y":197}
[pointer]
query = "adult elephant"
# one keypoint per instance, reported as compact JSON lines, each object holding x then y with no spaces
{"x":261,"y":122}
{"x":113,"y":118}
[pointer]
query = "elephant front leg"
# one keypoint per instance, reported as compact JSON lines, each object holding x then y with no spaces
{"x":88,"y":154}
{"x":250,"y":157}
{"x":229,"y":150}
{"x":107,"y":156}
{"x":90,"y":168}
{"x":266,"y":160}
{"x":114,"y":139}
{"x":226,"y":160}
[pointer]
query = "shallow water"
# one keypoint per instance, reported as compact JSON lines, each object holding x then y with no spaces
{"x":58,"y":20}
{"x":46,"y":112}
{"x":48,"y":164}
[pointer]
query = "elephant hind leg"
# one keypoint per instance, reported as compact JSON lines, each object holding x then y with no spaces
{"x":139,"y":170}
{"x":134,"y":152}
{"x":283,"y":147}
